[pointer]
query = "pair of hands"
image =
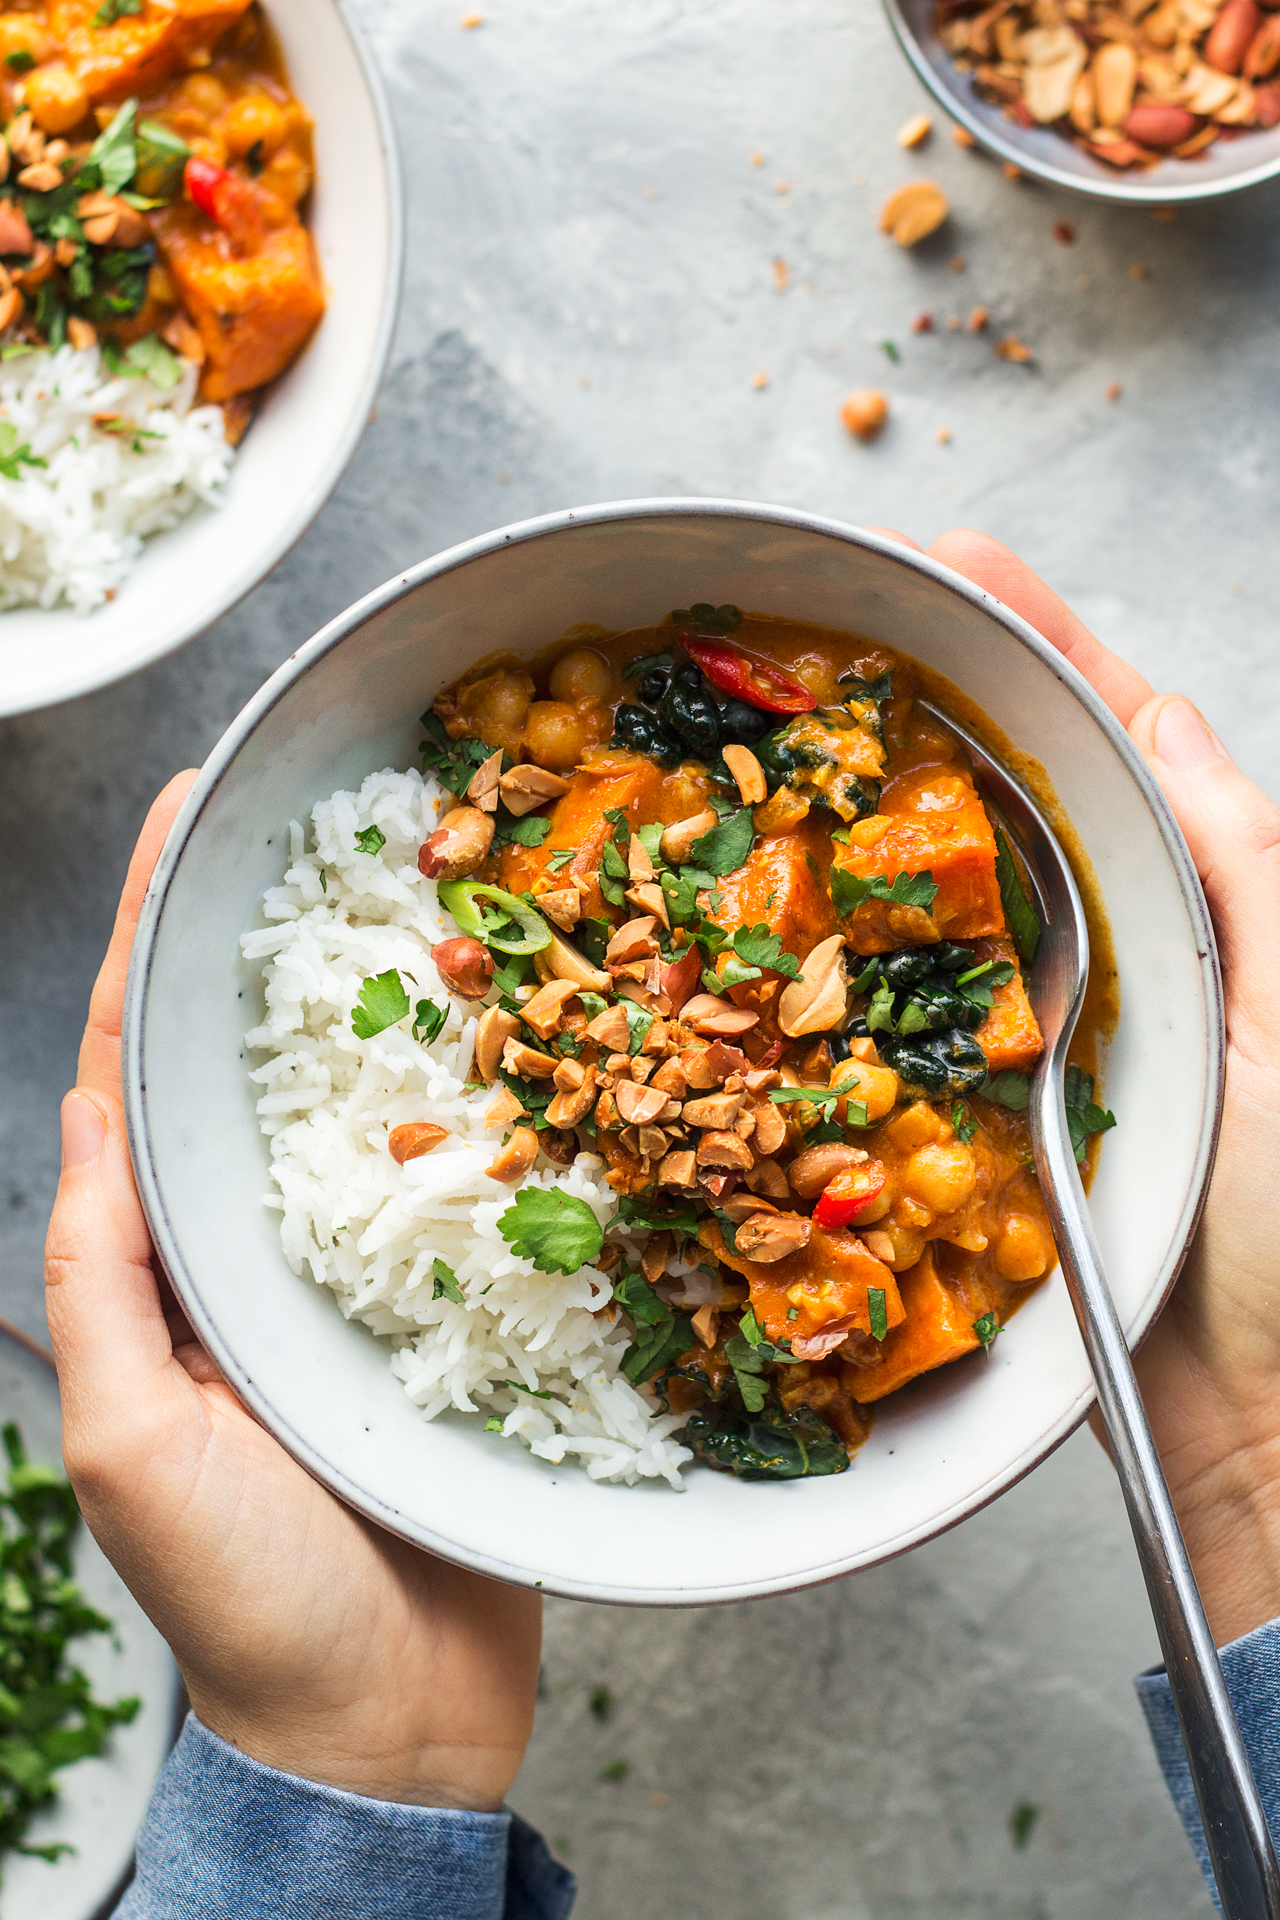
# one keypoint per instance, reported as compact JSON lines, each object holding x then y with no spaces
{"x":328,"y":1649}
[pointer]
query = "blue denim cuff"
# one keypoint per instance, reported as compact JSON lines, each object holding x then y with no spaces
{"x":1251,"y":1669}
{"x":226,"y":1837}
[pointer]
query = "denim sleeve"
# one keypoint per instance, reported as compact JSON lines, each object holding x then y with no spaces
{"x":1251,"y":1669}
{"x":225,"y":1837}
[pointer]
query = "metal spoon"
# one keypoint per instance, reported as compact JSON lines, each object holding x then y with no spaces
{"x":1244,"y":1861}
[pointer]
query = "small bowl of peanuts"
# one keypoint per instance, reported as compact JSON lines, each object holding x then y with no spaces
{"x":1153,"y":101}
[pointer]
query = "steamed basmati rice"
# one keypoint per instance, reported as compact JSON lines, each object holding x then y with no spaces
{"x":73,"y":529}
{"x":372,"y":1230}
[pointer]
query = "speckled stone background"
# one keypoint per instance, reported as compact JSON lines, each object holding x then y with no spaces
{"x":591,"y":293}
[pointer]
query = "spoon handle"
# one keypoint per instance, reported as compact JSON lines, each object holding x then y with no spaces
{"x":1244,"y":1861}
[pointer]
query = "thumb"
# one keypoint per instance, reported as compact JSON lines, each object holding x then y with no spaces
{"x":1233,"y":832}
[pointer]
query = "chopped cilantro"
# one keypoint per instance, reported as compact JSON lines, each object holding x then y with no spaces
{"x":528,"y":830}
{"x":494,"y":1424}
{"x":637,"y":1215}
{"x":1008,"y":1089}
{"x":601,"y":1704}
{"x":986,"y":1326}
{"x":1018,"y":911}
{"x":880,"y":1009}
{"x":963,"y":1122}
{"x":382,"y":1002}
{"x":453,"y":762}
{"x":13,"y":457}
{"x":324,"y":881}
{"x":554,"y":1229}
{"x":639,"y":1021}
{"x":890,"y":351}
{"x":371,"y":840}
{"x":145,"y":359}
{"x":112,"y":10}
{"x":877,"y":1312}
{"x":726,"y":847}
{"x":559,"y":858}
{"x":444,"y":1283}
{"x":616,"y":1770}
{"x":759,"y":947}
{"x":1084,"y":1118}
{"x":821,"y":1097}
{"x":20,"y":60}
{"x":1021,"y":1821}
{"x":114,"y":153}
{"x":908,"y":890}
{"x":518,"y":1386}
{"x":428,"y":1018}
{"x":593,"y":938}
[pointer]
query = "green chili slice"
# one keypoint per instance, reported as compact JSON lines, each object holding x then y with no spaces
{"x":514,"y":928}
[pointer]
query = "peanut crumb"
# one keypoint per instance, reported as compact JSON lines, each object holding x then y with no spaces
{"x":1011,"y":172}
{"x":943,"y":436}
{"x":1011,"y":348}
{"x":756,"y":159}
{"x":963,"y":138}
{"x":585,"y":381}
{"x":1164,"y":214}
{"x":954,"y":323}
{"x":1064,"y":230}
{"x":978,"y":319}
{"x":472,"y":20}
{"x":658,"y":1799}
{"x":782,"y":186}
{"x":650,"y":193}
{"x":923,"y":323}
{"x":916,"y":131}
{"x":1139,"y":269}
{"x":759,"y":379}
{"x":1114,"y":390}
{"x":958,"y":263}
{"x":503,"y":478}
{"x":781,"y":276}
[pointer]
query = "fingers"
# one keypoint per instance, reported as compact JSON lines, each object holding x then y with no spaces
{"x":100,"y":1049}
{"x":1233,"y":832}
{"x":989,"y":565}
{"x":105,"y":1318}
{"x":891,"y":533}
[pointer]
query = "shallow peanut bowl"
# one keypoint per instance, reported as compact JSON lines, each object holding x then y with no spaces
{"x":347,"y":704}
{"x":310,"y":419}
{"x":1225,"y":167}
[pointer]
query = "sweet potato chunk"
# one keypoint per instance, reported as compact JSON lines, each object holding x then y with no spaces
{"x":254,"y":311}
{"x":1010,"y":1034}
{"x":937,"y":1327}
{"x":577,"y":820}
{"x":929,"y":821}
{"x":137,"y":51}
{"x":825,"y":1282}
{"x":783,"y":885}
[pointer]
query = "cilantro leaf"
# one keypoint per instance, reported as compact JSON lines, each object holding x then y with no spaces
{"x":527,"y":830}
{"x":371,"y":840}
{"x":382,"y":1002}
{"x":150,"y":359}
{"x":13,"y":457}
{"x":639,"y":1021}
{"x":963,"y":1122}
{"x":428,"y":1018}
{"x":554,"y":1229}
{"x":759,"y":947}
{"x":986,"y":1326}
{"x":114,"y":152}
{"x":560,"y":858}
{"x":494,"y":1424}
{"x":444,"y":1283}
{"x":112,"y":10}
{"x":908,"y":890}
{"x":877,"y":1312}
{"x":726,"y":847}
{"x":753,"y":1333}
{"x":1018,"y":910}
{"x":20,"y":60}
{"x":821,"y":1097}
{"x":1008,"y":1089}
{"x":734,"y":975}
{"x":518,"y":1386}
{"x":880,"y":1009}
{"x":1084,"y":1118}
{"x":452,"y":761}
{"x":637,"y":1215}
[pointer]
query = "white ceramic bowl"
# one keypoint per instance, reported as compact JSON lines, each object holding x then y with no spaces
{"x":307,"y":428}
{"x":347,"y":703}
{"x":1225,"y":167}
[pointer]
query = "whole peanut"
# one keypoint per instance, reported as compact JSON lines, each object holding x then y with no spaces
{"x":1231,"y":34}
{"x":1158,"y":123}
{"x":465,"y":967}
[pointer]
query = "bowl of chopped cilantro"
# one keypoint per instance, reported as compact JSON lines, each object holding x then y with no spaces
{"x":88,"y":1689}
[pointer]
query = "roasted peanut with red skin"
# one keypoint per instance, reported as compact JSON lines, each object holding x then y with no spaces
{"x":458,"y":846}
{"x":1231,"y":34}
{"x":465,"y":967}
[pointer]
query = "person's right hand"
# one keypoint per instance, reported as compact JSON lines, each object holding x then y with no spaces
{"x":307,"y":1637}
{"x":1210,"y":1368}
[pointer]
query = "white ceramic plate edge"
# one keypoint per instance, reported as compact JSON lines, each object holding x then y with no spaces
{"x":215,"y":766}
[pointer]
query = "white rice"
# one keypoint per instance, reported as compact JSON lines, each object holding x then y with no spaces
{"x":73,"y":530}
{"x":372,"y":1230}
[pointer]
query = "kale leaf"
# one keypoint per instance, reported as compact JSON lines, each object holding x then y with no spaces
{"x":662,"y":1334}
{"x":1018,"y":911}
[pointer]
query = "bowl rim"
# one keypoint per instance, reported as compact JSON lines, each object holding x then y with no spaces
{"x":1113,"y":187}
{"x":219,"y":765}
{"x":91,"y":678}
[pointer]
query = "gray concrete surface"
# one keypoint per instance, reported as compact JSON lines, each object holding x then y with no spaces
{"x":590,"y":293}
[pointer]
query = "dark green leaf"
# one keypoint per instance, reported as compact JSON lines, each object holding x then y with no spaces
{"x":560,"y":858}
{"x":1021,"y":1821}
{"x":986,"y":1326}
{"x":646,"y":663}
{"x":1018,"y":910}
{"x":382,"y":1002}
{"x":887,"y":347}
{"x":554,"y":1229}
{"x":639,"y":1022}
{"x":527,"y":830}
{"x":616,"y":1770}
{"x":114,"y":152}
{"x":880,"y":1010}
{"x":20,"y":61}
{"x":428,"y":1018}
{"x":371,"y":840}
{"x":877,"y":1312}
{"x":112,"y":10}
{"x":1008,"y":1089}
{"x":640,"y":1215}
{"x":821,"y":1097}
{"x":760,"y":947}
{"x":963,"y":1122}
{"x":702,"y":617}
{"x":161,"y":159}
{"x":726,"y":847}
{"x":453,"y":762}
{"x":1084,"y":1118}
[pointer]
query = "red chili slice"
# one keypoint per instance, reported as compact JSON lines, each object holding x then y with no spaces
{"x":754,"y":681}
{"x":849,"y":1194}
{"x":226,"y":198}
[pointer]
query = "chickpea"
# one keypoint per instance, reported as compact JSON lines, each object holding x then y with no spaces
{"x":254,"y":120}
{"x":875,"y":1087}
{"x":200,"y":94}
{"x":499,"y":699}
{"x":581,"y":674}
{"x":1023,"y":1250}
{"x":23,"y":33}
{"x":56,"y":98}
{"x":875,"y":1209}
{"x":554,"y":736}
{"x":915,"y":1126}
{"x":287,"y":175}
{"x":940,"y":1176}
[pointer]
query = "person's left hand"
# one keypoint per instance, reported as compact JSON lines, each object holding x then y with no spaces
{"x":307,"y":1637}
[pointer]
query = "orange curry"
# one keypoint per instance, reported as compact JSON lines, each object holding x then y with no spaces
{"x":782,"y":990}
{"x":154,"y":170}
